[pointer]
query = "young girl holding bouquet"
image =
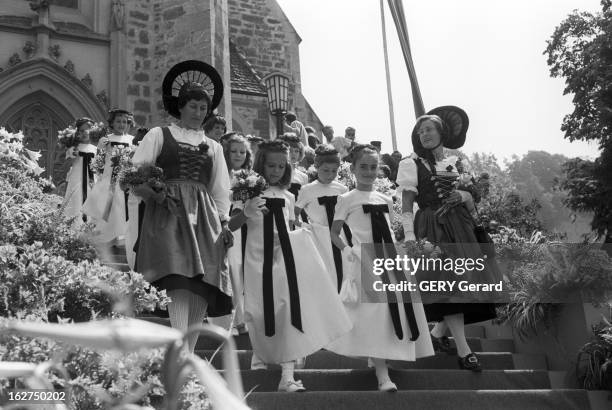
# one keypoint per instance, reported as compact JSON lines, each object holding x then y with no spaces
{"x":319,"y":199}
{"x":291,"y":307}
{"x":238,"y":158}
{"x":80,"y":177}
{"x":381,"y":331}
{"x":107,"y":204}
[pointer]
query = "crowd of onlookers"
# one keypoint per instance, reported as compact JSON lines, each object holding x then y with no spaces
{"x":216,"y":128}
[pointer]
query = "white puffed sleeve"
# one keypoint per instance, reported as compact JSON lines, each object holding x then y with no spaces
{"x":219,"y":184}
{"x":342,"y":208}
{"x":407,"y":176}
{"x":149,"y":148}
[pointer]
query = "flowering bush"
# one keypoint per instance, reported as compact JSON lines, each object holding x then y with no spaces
{"x":247,"y":184}
{"x":36,"y":283}
{"x":15,"y":158}
{"x":49,"y":272}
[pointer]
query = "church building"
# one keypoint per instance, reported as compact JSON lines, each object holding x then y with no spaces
{"x":64,"y":59}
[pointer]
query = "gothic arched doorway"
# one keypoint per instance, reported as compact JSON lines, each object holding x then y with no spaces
{"x":40,"y":124}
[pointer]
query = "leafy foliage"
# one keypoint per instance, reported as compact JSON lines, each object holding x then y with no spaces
{"x":594,"y":364}
{"x":580,"y":51}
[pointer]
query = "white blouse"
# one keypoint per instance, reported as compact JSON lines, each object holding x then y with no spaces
{"x":407,"y":176}
{"x":151,"y":146}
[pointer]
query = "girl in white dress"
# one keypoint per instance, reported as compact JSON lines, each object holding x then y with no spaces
{"x":107,"y":204}
{"x":291,"y":307}
{"x":80,"y":177}
{"x":394,"y":331}
{"x":237,"y":156}
{"x":318,"y":199}
{"x":298,"y":178}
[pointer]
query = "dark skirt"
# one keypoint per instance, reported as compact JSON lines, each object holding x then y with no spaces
{"x":180,"y":246}
{"x":457,"y":228}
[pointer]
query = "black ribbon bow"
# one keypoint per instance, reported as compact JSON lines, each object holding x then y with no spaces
{"x":275,"y":207}
{"x":330,"y":208}
{"x":382,"y":234}
{"x":87,"y":174}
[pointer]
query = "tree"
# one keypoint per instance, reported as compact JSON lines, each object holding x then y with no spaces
{"x":580,"y":51}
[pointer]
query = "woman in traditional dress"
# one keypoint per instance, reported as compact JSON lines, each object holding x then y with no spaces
{"x":107,"y":203}
{"x":442,"y":219}
{"x":238,"y":156}
{"x":184,"y":235}
{"x":80,"y":177}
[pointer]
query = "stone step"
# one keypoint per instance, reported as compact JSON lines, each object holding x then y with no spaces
{"x":328,"y":360}
{"x":472,"y":330}
{"x":124,"y":267}
{"x":414,"y":379}
{"x":422,"y":399}
{"x":476,"y":344}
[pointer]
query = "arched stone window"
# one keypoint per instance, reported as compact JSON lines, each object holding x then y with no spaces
{"x":41,"y":98}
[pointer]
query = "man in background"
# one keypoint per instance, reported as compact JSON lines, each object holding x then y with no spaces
{"x":344,"y":144}
{"x":328,"y":133}
{"x":313,"y":140}
{"x":293,"y":125}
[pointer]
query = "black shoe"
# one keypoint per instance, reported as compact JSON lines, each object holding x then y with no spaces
{"x":442,"y":345}
{"x":470,"y":362}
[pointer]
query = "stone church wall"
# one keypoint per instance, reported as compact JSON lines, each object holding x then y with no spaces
{"x":162,"y":33}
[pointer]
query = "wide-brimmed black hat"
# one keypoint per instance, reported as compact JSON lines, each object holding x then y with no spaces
{"x":186,"y":73}
{"x":456,"y":123}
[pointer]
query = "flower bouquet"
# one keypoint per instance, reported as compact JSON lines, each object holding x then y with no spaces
{"x":121,"y":158}
{"x":67,"y":137}
{"x":247,"y":185}
{"x":132,"y":178}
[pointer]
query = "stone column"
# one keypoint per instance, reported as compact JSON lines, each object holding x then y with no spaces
{"x":118,"y":55}
{"x":190,"y":30}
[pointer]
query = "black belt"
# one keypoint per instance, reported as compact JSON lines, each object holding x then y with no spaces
{"x":275,"y":207}
{"x":382,"y":234}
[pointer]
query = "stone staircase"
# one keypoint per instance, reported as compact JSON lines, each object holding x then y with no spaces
{"x":510,"y":380}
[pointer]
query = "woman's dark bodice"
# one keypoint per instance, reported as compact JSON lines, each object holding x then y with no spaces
{"x":427,"y":196}
{"x":184,"y":161}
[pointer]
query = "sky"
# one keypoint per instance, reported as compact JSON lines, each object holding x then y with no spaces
{"x":485,"y":56}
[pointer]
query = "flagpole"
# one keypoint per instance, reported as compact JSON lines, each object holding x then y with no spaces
{"x":397,"y":12}
{"x":388,"y":75}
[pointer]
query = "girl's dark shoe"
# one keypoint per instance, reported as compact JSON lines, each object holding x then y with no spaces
{"x":442,"y":345}
{"x":470,"y":362}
